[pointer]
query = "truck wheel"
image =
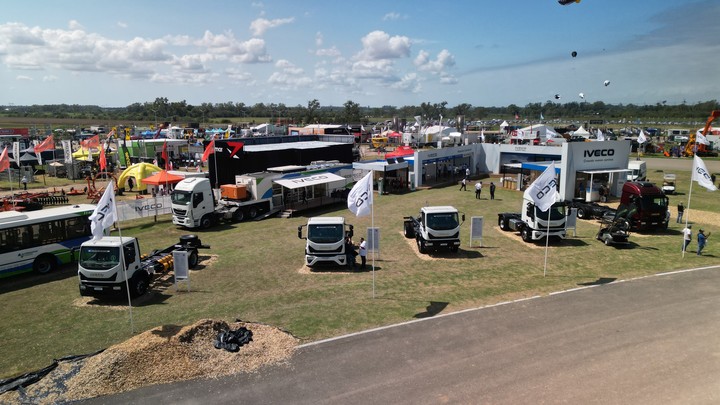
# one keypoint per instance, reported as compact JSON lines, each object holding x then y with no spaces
{"x":253,"y":212}
{"x":139,"y":285}
{"x":581,"y":213}
{"x":525,"y":233}
{"x":421,"y":246}
{"x":454,"y":249}
{"x":205,"y":222}
{"x":193,"y":259}
{"x":502,"y":224}
{"x":607,"y":241}
{"x":239,"y":215}
{"x":409,"y":231}
{"x":44,"y":264}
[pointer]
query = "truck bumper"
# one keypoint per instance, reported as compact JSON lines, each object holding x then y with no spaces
{"x":183,"y":221}
{"x":537,"y":234}
{"x":442,"y":244}
{"x":311,"y":260}
{"x":97,"y":289}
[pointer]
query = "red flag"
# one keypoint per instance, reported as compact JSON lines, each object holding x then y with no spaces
{"x":47,"y":144}
{"x":209,"y":149}
{"x":92,"y":142}
{"x":4,"y":160}
{"x":102,"y":160}
{"x":165,"y":155}
{"x":111,"y":133}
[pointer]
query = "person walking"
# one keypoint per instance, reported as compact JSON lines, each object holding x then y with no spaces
{"x":492,"y":190}
{"x":681,"y":210}
{"x":687,"y":236}
{"x":478,"y":190}
{"x":24,"y":182}
{"x":363,"y":253}
{"x":702,"y":239}
{"x":463,"y":185}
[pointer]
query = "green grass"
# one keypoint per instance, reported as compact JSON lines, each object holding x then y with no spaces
{"x":257,"y":277}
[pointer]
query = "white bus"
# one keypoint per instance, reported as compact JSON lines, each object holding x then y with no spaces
{"x":42,"y":240}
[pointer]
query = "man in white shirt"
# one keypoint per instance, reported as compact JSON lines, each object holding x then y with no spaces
{"x":363,"y":253}
{"x":687,"y":236}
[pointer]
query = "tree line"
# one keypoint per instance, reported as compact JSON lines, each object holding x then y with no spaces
{"x":163,"y":110}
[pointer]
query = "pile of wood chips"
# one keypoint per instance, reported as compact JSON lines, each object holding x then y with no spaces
{"x":160,"y":355}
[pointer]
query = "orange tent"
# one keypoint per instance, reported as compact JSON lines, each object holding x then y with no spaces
{"x":162,"y":177}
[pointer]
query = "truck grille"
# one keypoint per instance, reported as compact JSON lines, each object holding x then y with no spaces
{"x":455,"y":236}
{"x":179,"y":212}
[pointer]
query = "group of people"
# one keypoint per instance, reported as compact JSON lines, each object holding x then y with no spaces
{"x":701,"y":239}
{"x":478,"y":188}
{"x":351,"y":253}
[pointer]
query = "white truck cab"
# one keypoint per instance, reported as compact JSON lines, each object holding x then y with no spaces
{"x":325,"y":240}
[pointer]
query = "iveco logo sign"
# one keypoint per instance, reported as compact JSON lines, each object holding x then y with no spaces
{"x":309,"y":179}
{"x":599,"y":152}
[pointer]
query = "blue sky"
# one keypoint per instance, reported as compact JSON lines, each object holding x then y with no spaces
{"x":485,"y":53}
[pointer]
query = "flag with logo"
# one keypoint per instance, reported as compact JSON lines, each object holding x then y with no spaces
{"x":701,"y":139}
{"x":642,"y":138}
{"x":47,"y":144}
{"x":701,"y":175}
{"x":482,"y":135}
{"x":67,"y":150}
{"x":4,"y":160}
{"x":360,"y":199}
{"x":209,"y":150}
{"x":541,"y":116}
{"x":543,"y":191}
{"x":16,"y":152}
{"x":105,"y":213}
{"x":92,"y":142}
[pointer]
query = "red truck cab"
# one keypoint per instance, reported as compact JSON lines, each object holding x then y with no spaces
{"x":644,"y":205}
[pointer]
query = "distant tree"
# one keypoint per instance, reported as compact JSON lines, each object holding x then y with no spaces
{"x":352,"y":112}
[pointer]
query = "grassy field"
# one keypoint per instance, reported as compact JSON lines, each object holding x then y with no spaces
{"x":254,"y":271}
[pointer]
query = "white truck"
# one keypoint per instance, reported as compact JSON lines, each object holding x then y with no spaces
{"x":100,"y":266}
{"x":194,"y":203}
{"x":533,"y":223}
{"x":637,"y":170}
{"x":436,"y":228}
{"x":325,"y":240}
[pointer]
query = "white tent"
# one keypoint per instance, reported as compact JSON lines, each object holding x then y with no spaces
{"x":582,"y":132}
{"x":503,"y":125}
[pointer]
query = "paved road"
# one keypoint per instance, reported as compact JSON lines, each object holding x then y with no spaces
{"x":645,"y":341}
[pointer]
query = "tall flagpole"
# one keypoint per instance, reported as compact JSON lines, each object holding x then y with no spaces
{"x":547,"y":241}
{"x":375,"y":242}
{"x":217,"y":178}
{"x":687,"y":214}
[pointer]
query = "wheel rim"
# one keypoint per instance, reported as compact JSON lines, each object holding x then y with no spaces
{"x":43,"y":266}
{"x":253,"y":212}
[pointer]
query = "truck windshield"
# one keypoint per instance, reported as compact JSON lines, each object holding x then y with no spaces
{"x":556,"y":212}
{"x":326,"y":233}
{"x":99,"y":258}
{"x":653,"y":203}
{"x":181,"y":197}
{"x":443,"y":222}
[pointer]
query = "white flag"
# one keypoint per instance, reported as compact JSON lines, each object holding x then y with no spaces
{"x":105,"y":213}
{"x":600,"y":136}
{"x":543,"y":191}
{"x":701,"y":175}
{"x":701,"y":139}
{"x":360,"y":198}
{"x":642,"y":138}
{"x":482,"y":135}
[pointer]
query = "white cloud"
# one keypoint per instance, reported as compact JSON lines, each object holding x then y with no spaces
{"x":250,"y":51}
{"x":447,"y":78}
{"x":24,"y":78}
{"x":50,"y":78}
{"x":259,"y":26}
{"x":443,"y":60}
{"x":122,"y":24}
{"x":332,"y":52}
{"x":409,"y":82}
{"x":393,"y":16}
{"x":239,"y":76}
{"x":75,"y":25}
{"x":318,"y":39}
{"x":380,"y":45}
{"x":289,"y":76}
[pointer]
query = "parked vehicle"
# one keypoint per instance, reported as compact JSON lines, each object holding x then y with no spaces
{"x":644,"y":205}
{"x":589,"y":210}
{"x":534,"y":224}
{"x":101,"y":269}
{"x":637,"y":170}
{"x":614,"y":231}
{"x":194,"y":204}
{"x":325,"y":240}
{"x":668,"y":186}
{"x":436,"y":228}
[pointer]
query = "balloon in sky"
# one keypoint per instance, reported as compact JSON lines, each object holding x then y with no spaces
{"x":582,"y":96}
{"x":557,"y":97}
{"x":566,"y":2}
{"x":574,"y":54}
{"x":607,"y":83}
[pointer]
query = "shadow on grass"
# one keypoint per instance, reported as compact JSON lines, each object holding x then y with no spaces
{"x":460,"y":254}
{"x":31,"y":279}
{"x":600,"y":281}
{"x":431,"y":310}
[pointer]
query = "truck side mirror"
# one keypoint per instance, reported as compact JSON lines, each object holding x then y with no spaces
{"x":300,"y":232}
{"x":463,"y":217}
{"x":351,"y":231}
